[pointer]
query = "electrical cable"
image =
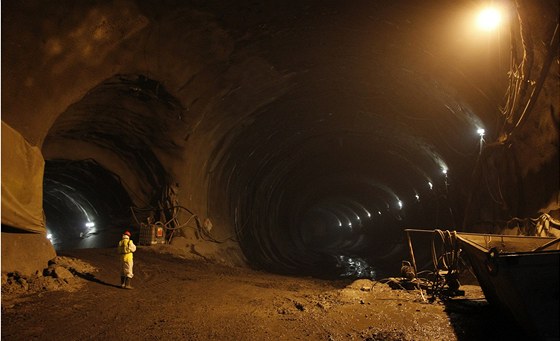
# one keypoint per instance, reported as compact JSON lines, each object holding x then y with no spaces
{"x":203,"y":232}
{"x":448,"y":258}
{"x":537,"y":89}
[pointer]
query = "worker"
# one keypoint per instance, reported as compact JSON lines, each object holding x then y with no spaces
{"x":126,"y":248}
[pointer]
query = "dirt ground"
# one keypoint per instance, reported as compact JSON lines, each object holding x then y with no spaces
{"x":175,"y":298}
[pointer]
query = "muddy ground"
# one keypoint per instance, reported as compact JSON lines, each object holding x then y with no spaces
{"x":185,"y":299}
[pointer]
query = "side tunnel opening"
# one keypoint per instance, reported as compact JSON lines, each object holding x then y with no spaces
{"x":85,"y":204}
{"x":107,"y":162}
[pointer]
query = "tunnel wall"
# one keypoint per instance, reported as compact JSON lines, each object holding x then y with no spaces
{"x":517,"y":176}
{"x":22,"y":182}
{"x":25,"y":247}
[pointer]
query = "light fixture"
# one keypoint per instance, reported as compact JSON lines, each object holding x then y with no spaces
{"x":430,"y":185}
{"x":90,"y":224}
{"x":489,"y":18}
{"x":400,"y":204}
{"x":480,"y":132}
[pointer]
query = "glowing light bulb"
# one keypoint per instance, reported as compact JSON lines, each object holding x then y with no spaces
{"x":489,"y":18}
{"x":480,"y":132}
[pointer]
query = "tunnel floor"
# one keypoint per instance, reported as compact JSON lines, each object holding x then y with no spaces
{"x":183,"y":299}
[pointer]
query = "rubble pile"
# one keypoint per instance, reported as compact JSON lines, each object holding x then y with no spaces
{"x":62,"y":273}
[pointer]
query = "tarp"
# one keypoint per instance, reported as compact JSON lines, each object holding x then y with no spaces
{"x":22,"y":182}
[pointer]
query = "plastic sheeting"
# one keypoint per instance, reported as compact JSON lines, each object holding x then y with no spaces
{"x":22,"y":182}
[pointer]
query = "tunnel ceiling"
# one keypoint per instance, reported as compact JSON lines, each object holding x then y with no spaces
{"x":309,"y":127}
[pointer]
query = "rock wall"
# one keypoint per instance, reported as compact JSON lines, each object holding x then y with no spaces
{"x":517,"y":176}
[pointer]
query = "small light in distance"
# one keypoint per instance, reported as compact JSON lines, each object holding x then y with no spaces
{"x":489,"y":18}
{"x":400,"y":204}
{"x":417,"y":197}
{"x":430,"y":185}
{"x":444,"y":171}
{"x":480,"y":132}
{"x":91,"y":227}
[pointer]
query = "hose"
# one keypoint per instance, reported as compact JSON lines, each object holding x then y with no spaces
{"x":168,"y":225}
{"x":446,"y":260}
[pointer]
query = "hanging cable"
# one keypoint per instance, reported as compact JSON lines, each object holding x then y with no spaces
{"x":446,"y":263}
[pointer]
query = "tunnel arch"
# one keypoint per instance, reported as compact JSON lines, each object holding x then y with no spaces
{"x":121,"y":129}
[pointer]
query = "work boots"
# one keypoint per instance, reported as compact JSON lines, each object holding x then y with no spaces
{"x":127,"y":284}
{"x":123,"y":281}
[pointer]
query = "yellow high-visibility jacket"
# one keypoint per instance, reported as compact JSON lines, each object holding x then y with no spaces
{"x":126,"y":248}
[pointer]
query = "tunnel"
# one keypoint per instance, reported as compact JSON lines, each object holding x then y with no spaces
{"x":83,"y":202}
{"x":308,"y":134}
{"x":123,"y":119}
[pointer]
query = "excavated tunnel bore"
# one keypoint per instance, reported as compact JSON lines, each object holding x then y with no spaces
{"x":84,"y":204}
{"x":328,"y":203}
{"x":121,"y":121}
{"x":315,"y":160}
